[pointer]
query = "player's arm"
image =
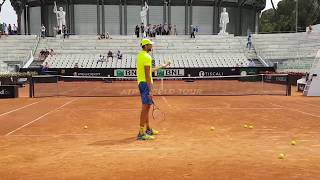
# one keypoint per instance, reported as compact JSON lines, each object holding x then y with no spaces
{"x":162,"y":66}
{"x":148,"y":78}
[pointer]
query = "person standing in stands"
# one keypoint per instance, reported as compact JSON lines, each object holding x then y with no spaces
{"x":9,"y":29}
{"x":249,"y":43}
{"x":193,"y":30}
{"x":137,"y":31}
{"x":43,"y":31}
{"x":15,"y":29}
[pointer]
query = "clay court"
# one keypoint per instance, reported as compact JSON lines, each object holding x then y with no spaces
{"x":45,"y":138}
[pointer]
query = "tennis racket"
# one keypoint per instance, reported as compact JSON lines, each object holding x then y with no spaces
{"x":157,"y":114}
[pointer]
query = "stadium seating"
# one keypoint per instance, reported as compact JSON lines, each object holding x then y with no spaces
{"x":15,"y":50}
{"x":204,"y":51}
{"x":293,"y":51}
{"x":129,"y":61}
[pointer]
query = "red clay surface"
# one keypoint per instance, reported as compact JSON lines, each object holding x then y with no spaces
{"x":44,"y":138}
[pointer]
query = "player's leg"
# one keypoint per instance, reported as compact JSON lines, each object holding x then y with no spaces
{"x":144,"y":116}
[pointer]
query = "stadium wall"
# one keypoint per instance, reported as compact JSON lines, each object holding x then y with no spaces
{"x":94,"y":17}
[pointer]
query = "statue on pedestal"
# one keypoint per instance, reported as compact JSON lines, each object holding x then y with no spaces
{"x":61,"y":17}
{"x":143,"y":15}
{"x":224,"y":20}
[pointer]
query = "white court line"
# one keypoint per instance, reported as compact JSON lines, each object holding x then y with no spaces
{"x":65,"y":104}
{"x":310,"y":104}
{"x":296,"y":110}
{"x":52,"y":135}
{"x":166,"y":101}
{"x":227,"y":108}
{"x":103,"y":109}
{"x":3,"y":114}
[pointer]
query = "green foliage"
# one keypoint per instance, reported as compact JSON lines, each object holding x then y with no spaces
{"x":284,"y":18}
{"x":18,"y":75}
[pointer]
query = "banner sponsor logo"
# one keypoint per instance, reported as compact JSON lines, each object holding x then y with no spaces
{"x":4,"y":92}
{"x":86,"y":74}
{"x":209,"y":73}
{"x":125,"y":73}
{"x":170,"y":73}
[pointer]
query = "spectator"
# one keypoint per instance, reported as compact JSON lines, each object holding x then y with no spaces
{"x":142,"y":30}
{"x":15,"y":29}
{"x":5,"y":28}
{"x":101,"y":36}
{"x":249,"y":43}
{"x":45,"y":68}
{"x":309,"y":29}
{"x":119,"y":55}
{"x":193,"y":30}
{"x":252,"y":64}
{"x":43,"y":31}
{"x":101,"y":59}
{"x":110,"y":54}
{"x":51,"y":52}
{"x":175,"y":30}
{"x":9,"y":29}
{"x":65,"y":32}
{"x":137,"y":31}
{"x":108,"y":36}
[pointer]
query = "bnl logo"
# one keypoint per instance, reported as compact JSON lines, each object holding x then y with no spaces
{"x":170,"y":72}
{"x":125,"y":73}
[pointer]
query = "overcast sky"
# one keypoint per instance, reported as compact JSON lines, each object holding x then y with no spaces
{"x":9,"y":16}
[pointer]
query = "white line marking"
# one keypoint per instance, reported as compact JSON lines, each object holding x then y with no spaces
{"x":131,"y":149}
{"x":103,"y":109}
{"x":166,"y":101}
{"x":310,"y":104}
{"x":3,"y":114}
{"x":249,"y":108}
{"x":65,"y":104}
{"x":52,"y":135}
{"x":296,"y":110}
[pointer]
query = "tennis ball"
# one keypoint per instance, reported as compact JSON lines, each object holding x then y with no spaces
{"x":281,"y":156}
{"x":251,"y":127}
{"x":245,"y":126}
{"x":293,"y":142}
{"x":85,"y":127}
{"x":212,"y":128}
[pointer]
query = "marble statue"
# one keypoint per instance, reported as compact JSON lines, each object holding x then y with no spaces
{"x":143,"y":15}
{"x":61,"y":17}
{"x":224,"y":20}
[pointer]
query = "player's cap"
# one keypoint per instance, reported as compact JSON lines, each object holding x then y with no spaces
{"x":145,"y":42}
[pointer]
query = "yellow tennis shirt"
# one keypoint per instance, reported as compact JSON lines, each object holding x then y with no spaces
{"x":143,"y":59}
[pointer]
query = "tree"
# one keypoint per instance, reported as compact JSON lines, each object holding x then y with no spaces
{"x":2,"y":4}
{"x":285,"y":17}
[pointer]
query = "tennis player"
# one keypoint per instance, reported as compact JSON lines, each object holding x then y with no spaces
{"x":145,"y":82}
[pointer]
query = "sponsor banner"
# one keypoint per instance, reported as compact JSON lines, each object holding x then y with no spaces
{"x":125,"y":73}
{"x":276,"y":79}
{"x":8,"y":92}
{"x":170,"y":72}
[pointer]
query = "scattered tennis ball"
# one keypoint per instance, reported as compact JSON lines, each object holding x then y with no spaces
{"x":245,"y":126}
{"x":281,"y":156}
{"x":85,"y":127}
{"x":250,"y":127}
{"x":293,"y":142}
{"x":212,"y":128}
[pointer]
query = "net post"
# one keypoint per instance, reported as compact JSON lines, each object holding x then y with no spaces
{"x":161,"y":84}
{"x":288,"y":86}
{"x":31,"y":88}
